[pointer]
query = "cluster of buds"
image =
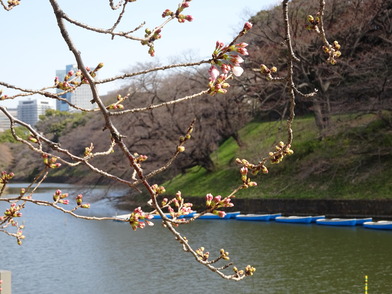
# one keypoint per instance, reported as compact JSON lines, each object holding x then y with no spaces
{"x":139,"y":219}
{"x":333,"y":52}
{"x":254,"y":169}
{"x":139,"y":158}
{"x":181,"y":208}
{"x":88,"y":151}
{"x":8,"y":219}
{"x":158,"y":189}
{"x":178,"y":14}
{"x":19,"y":235}
{"x":183,"y":139}
{"x":59,"y":197}
{"x":2,"y":97}
{"x":281,"y":151}
{"x":12,"y":3}
{"x":118,"y":104}
{"x":214,"y":203}
{"x":313,"y":23}
{"x":79,"y":199}
{"x":226,"y":59}
{"x":6,"y":177}
{"x":50,"y":162}
{"x":218,"y":82}
{"x":70,"y":81}
{"x":224,"y":254}
{"x":74,"y":79}
{"x":13,"y":211}
{"x":246,"y":181}
{"x":202,"y":255}
{"x":79,"y":202}
{"x":150,"y":37}
{"x":267,"y":72}
{"x":248,"y":271}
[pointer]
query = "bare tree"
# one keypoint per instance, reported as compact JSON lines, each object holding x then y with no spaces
{"x":363,"y":72}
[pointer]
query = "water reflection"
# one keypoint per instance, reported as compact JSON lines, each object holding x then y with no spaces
{"x":65,"y":255}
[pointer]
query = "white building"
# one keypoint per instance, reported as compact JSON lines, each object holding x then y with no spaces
{"x":4,"y":121}
{"x":30,"y":110}
{"x":81,"y":97}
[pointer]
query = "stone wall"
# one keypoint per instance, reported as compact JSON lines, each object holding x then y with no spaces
{"x":330,"y":208}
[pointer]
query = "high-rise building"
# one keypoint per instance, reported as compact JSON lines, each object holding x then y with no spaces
{"x":80,"y":97}
{"x":4,"y":121}
{"x":30,"y":110}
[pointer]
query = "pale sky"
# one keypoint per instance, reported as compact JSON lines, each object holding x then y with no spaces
{"x":32,"y":48}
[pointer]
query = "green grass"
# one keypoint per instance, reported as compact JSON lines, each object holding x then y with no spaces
{"x":354,"y":161}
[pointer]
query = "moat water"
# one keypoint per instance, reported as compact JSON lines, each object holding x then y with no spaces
{"x":62,"y":254}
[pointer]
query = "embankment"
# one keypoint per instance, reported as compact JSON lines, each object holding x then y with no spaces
{"x":330,"y":208}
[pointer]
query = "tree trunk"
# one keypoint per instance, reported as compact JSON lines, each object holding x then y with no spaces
{"x":322,"y":115}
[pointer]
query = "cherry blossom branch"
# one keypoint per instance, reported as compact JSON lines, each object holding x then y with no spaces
{"x":42,"y":92}
{"x":155,"y":106}
{"x":150,"y":70}
{"x":317,"y":24}
{"x":224,"y":65}
{"x":11,"y":4}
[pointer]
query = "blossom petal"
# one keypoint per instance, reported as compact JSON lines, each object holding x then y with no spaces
{"x":237,"y":70}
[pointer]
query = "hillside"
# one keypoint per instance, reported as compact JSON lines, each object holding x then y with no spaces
{"x":336,"y":155}
{"x":354,"y":161}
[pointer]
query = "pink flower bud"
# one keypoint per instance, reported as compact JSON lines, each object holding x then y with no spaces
{"x":244,"y":170}
{"x":252,"y":184}
{"x":242,"y":51}
{"x":167,"y":12}
{"x":149,"y":223}
{"x":242,"y":45}
{"x":217,"y":199}
{"x":221,"y":214}
{"x":225,"y":68}
{"x":213,"y":72}
{"x":219,"y":45}
{"x":237,"y":60}
{"x":237,"y":71}
{"x":247,"y":26}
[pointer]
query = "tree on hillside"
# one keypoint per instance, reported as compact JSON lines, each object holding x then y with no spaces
{"x":361,"y":80}
{"x":150,"y":100}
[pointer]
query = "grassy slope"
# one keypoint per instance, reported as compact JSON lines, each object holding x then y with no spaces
{"x":353,"y":162}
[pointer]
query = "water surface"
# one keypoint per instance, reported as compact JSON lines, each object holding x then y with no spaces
{"x":66,"y":255}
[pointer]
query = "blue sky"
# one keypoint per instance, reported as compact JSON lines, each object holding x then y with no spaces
{"x":32,"y":49}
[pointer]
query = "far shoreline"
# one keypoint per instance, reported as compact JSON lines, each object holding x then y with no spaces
{"x":350,"y":208}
